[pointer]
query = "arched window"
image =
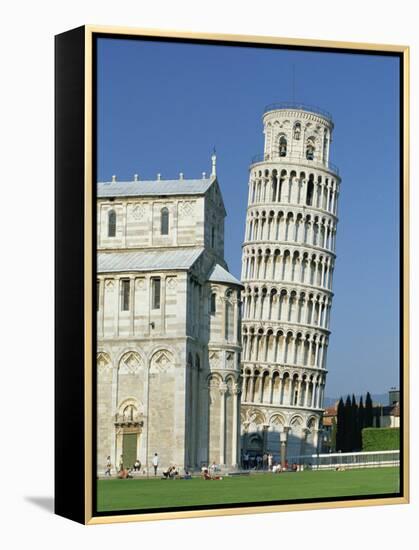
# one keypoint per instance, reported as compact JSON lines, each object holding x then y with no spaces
{"x":325,"y":144}
{"x":129,"y":412}
{"x":111,"y":223}
{"x":310,"y":191}
{"x":213,"y":304}
{"x":229,"y":315}
{"x":164,"y":221}
{"x":125,"y":292}
{"x":212,"y":237}
{"x":297,"y":130}
{"x":155,"y":286}
{"x":282,"y":147}
{"x":310,"y":149}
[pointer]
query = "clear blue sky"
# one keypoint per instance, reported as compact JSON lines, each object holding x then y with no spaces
{"x":162,"y":107}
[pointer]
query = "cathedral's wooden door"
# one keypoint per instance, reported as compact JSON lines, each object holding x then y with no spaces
{"x":129,"y":449}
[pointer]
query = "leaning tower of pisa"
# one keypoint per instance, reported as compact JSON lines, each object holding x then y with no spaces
{"x":287,"y":272}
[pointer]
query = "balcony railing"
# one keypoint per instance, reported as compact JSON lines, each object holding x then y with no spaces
{"x":295,"y":159}
{"x":292,"y":105}
{"x":135,"y":419}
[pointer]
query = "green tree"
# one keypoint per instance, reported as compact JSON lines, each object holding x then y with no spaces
{"x":368,"y":413}
{"x":355,"y":434}
{"x":333,"y":435}
{"x":349,"y":427}
{"x":340,"y":427}
{"x":361,"y":421}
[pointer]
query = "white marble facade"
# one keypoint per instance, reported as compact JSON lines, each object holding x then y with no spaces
{"x":168,"y":326}
{"x":287,"y":271}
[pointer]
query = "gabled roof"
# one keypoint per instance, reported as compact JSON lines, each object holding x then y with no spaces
{"x":153,"y":187}
{"x":220,"y":275}
{"x":148,"y":260}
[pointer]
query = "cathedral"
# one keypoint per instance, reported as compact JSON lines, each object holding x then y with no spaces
{"x":168,"y":325}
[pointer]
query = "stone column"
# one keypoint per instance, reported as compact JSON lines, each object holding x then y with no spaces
{"x":235,"y":431}
{"x":223,"y":391}
{"x":328,"y":197}
{"x":245,"y":433}
{"x":101,"y":298}
{"x":320,"y":356}
{"x":313,"y":396}
{"x":116,"y":306}
{"x":283,"y":437}
{"x":316,"y":434}
{"x":319,"y":388}
{"x":265,"y":429}
{"x":307,"y":385}
{"x":271,"y":389}
{"x":131,"y":304}
{"x":118,"y":448}
{"x":235,"y":319}
{"x":299,"y":391}
{"x":281,"y":381}
{"x":124,"y":227}
{"x":259,"y":396}
{"x":316,"y":353}
{"x":251,"y":389}
{"x":315,"y":193}
{"x":306,"y":431}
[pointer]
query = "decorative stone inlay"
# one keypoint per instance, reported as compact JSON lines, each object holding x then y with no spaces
{"x":186,"y":208}
{"x":130,"y":363}
{"x":161,"y":361}
{"x":137,"y":212}
{"x":171,"y":283}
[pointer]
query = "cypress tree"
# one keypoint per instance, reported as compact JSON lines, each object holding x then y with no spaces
{"x":340,"y":428}
{"x":333,"y":435}
{"x":368,"y":413}
{"x":348,"y":435}
{"x":355,"y":433}
{"x":361,"y":420}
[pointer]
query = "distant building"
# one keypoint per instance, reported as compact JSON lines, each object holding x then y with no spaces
{"x":329,"y":423}
{"x":388,"y":416}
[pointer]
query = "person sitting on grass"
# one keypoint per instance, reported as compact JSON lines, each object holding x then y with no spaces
{"x":213,"y":469}
{"x":125,"y":474}
{"x":171,"y":472}
{"x":167,"y":473}
{"x":137,"y":466}
{"x":187,"y":475}
{"x":174,"y":473}
{"x":207,"y":476}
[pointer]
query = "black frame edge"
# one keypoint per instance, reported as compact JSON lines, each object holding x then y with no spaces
{"x":69,"y":478}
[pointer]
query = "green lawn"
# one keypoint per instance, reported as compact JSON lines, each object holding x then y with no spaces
{"x":130,"y":494}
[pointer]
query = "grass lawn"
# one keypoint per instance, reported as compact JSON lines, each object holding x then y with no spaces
{"x":130,"y":494}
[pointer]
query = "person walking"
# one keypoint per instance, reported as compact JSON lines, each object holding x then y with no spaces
{"x":270,"y":459}
{"x":265,"y":460}
{"x":155,"y":463}
{"x":108,"y":466}
{"x":121,"y":463}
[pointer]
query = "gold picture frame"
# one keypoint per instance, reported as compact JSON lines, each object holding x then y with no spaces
{"x":75,"y":305}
